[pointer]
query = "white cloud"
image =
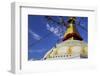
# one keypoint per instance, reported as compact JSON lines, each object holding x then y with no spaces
{"x":48,"y":26}
{"x":34,"y":35}
{"x":52,"y":29}
{"x":55,"y":30}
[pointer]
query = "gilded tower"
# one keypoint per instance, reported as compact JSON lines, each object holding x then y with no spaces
{"x":71,"y":32}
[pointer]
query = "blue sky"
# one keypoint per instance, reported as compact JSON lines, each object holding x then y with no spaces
{"x":42,"y":36}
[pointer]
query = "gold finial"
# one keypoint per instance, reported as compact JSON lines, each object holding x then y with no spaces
{"x":71,"y":32}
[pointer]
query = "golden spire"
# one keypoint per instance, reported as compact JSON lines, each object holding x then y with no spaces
{"x":71,"y":32}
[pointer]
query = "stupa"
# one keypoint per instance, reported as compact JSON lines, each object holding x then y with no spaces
{"x":72,"y":45}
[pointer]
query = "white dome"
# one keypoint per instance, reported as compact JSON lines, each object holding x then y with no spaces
{"x":67,"y":49}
